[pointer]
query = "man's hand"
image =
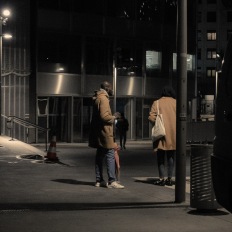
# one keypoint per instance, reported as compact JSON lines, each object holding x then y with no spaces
{"x":117,"y":115}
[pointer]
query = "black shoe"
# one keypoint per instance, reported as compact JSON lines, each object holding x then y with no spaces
{"x":160,"y":182}
{"x":124,"y":147}
{"x":169,"y":182}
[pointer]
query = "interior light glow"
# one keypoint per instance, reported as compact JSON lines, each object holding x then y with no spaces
{"x":7,"y":36}
{"x":6,"y":12}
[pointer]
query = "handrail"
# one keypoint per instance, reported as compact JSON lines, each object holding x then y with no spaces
{"x":27,"y":124}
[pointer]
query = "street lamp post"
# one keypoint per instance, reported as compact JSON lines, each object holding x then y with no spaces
{"x":3,"y":20}
{"x":181,"y":102}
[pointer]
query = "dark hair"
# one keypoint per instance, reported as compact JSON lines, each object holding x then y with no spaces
{"x":168,"y":91}
{"x":105,"y":85}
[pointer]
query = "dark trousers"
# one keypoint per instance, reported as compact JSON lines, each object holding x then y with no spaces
{"x":122,"y":137}
{"x":161,"y":155}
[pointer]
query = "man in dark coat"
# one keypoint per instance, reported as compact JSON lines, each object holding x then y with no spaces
{"x":102,"y":136}
{"x":122,"y":126}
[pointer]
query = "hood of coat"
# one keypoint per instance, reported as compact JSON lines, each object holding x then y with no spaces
{"x":100,"y":93}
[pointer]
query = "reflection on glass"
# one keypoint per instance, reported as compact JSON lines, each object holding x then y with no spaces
{"x":153,"y":60}
{"x":190,"y":62}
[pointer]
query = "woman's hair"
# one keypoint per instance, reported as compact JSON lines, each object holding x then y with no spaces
{"x":168,"y":91}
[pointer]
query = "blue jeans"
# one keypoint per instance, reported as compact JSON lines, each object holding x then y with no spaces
{"x":101,"y":154}
{"x":161,"y":162}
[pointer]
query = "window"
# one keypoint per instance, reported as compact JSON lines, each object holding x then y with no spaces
{"x":120,"y":9}
{"x":147,"y":10}
{"x":199,"y":35}
{"x":87,"y":6}
{"x":229,"y":16}
{"x":153,"y":60}
{"x":211,"y":1}
{"x":58,"y":53}
{"x":211,"y":72}
{"x":229,"y":33}
{"x":129,"y":58}
{"x":189,"y":60}
{"x":54,"y":4}
{"x":99,"y":56}
{"x":199,"y":72}
{"x":211,"y":53}
{"x":211,"y":35}
{"x":199,"y":17}
{"x":199,"y":54}
{"x":211,"y":16}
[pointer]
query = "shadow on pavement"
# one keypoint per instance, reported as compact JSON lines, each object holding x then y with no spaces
{"x":208,"y":212}
{"x":148,"y":180}
{"x":56,"y":162}
{"x":9,"y":207}
{"x":75,"y":182}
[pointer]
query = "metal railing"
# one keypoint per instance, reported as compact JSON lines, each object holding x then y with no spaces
{"x":11,"y":120}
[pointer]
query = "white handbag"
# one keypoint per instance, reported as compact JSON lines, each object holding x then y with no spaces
{"x":158,"y":130}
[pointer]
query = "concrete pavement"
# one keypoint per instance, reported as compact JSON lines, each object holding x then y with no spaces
{"x":45,"y":196}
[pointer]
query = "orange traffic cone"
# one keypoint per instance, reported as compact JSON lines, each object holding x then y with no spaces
{"x":51,"y":154}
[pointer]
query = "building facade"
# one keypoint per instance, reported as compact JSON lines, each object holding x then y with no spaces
{"x":214,"y":27}
{"x":75,"y":45}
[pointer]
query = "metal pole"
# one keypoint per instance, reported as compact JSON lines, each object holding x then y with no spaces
{"x":115,"y":88}
{"x":216,"y":85}
{"x":1,"y":22}
{"x":181,"y":101}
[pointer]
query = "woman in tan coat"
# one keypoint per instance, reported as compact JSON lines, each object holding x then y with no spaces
{"x":167,"y":144}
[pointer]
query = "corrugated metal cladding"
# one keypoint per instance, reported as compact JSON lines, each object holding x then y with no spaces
{"x":16,"y":66}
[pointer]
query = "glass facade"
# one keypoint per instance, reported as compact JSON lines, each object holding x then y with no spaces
{"x":74,"y":45}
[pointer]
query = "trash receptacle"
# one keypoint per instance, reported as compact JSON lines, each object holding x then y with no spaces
{"x":202,"y":195}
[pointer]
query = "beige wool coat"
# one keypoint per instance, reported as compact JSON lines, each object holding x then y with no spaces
{"x":167,"y":107}
{"x":101,"y":127}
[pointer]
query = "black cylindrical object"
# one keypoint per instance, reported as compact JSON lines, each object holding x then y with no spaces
{"x":201,"y":186}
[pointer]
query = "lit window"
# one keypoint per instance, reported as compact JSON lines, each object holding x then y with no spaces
{"x":211,"y":35}
{"x":211,"y":72}
{"x":211,"y":53}
{"x":153,"y":60}
{"x":189,"y":60}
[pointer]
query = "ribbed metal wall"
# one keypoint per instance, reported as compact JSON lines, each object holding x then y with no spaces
{"x":16,"y":67}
